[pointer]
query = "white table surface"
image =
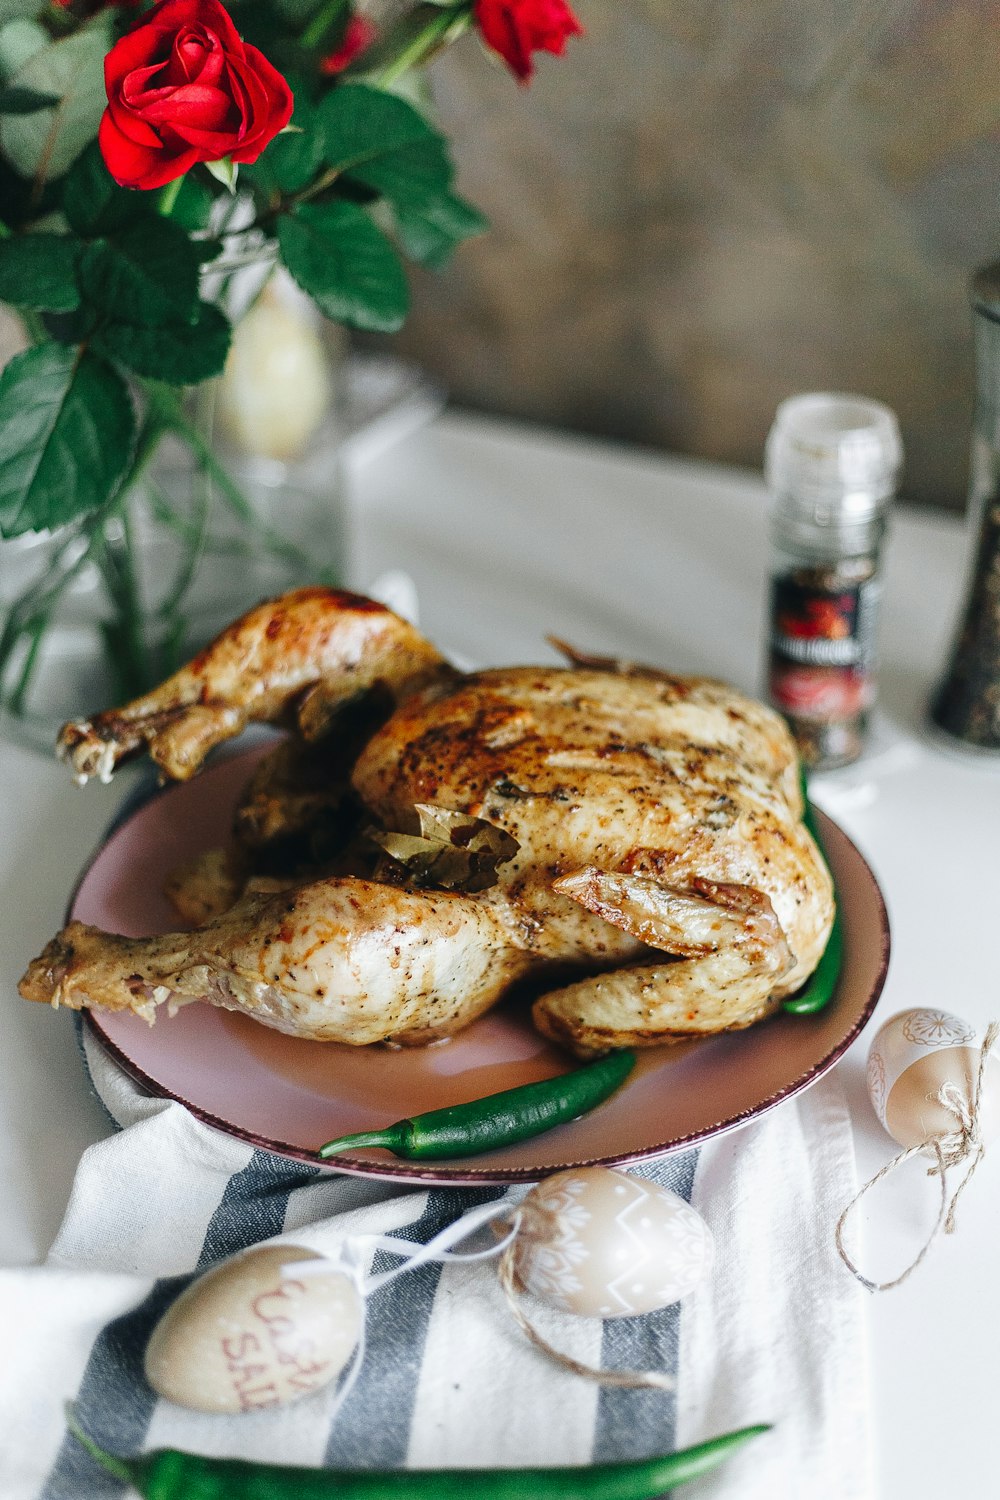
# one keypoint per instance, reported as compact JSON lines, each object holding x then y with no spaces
{"x":511,"y":533}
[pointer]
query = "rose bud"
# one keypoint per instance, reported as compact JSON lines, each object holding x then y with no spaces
{"x":517,"y":28}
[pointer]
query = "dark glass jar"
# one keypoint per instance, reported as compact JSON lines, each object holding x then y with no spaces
{"x":966,"y":704}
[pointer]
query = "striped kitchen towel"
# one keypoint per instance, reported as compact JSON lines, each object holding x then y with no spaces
{"x":448,"y":1379}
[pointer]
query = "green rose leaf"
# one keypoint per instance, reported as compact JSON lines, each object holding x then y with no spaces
{"x":16,"y":9}
{"x":384,"y":142}
{"x":192,"y":208}
{"x":20,"y":40}
{"x":297,"y":12}
{"x":346,"y":264}
{"x":45,"y":143}
{"x":430,"y":232}
{"x":73,"y":327}
{"x":39,"y":271}
{"x":147,"y":275}
{"x":226,"y":171}
{"x":294,"y":157}
{"x":381,"y":143}
{"x":180,"y":354}
{"x":68,"y":428}
{"x":92,"y":200}
{"x":14,"y":101}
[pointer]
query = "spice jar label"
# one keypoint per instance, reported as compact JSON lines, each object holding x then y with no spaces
{"x":822,"y":643}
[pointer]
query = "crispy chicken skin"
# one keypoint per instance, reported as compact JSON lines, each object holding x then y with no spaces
{"x":662,"y":873}
{"x":295,"y":660}
{"x":339,"y":960}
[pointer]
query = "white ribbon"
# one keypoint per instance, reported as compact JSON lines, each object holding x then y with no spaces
{"x":353,"y":1252}
{"x":354,"y":1255}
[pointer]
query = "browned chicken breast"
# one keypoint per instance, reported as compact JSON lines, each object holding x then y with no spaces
{"x":637,"y":836}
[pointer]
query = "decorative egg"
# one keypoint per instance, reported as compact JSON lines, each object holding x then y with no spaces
{"x":243,"y":1336}
{"x":607,"y":1245}
{"x":911,"y":1059}
{"x":276,"y":389}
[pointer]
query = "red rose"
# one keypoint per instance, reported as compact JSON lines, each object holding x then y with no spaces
{"x":517,"y":28}
{"x":183,"y":88}
{"x":359,"y":34}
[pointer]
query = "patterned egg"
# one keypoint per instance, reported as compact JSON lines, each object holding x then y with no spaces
{"x":608,"y":1245}
{"x":243,"y":1336}
{"x":910,"y":1060}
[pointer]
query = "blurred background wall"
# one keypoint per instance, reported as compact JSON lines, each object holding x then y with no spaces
{"x":708,"y":205}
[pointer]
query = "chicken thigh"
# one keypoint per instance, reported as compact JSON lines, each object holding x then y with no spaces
{"x":646,"y":863}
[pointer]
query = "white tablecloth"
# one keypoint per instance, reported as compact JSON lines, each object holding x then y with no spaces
{"x":511,"y":534}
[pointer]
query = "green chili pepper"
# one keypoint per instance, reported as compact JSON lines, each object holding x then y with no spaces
{"x":498,"y":1119}
{"x":819,"y":987}
{"x":167,"y":1474}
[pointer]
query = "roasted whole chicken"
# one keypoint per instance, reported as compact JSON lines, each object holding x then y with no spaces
{"x":626,"y":842}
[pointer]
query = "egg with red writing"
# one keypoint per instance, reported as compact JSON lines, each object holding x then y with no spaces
{"x":249,"y":1334}
{"x":922,"y":1074}
{"x":606,"y":1244}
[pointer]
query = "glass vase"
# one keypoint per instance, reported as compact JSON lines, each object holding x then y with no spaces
{"x":966,"y":703}
{"x":100,"y":610}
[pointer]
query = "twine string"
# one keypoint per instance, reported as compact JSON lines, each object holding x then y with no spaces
{"x":630,"y":1379}
{"x":352,"y":1254}
{"x":954,"y":1148}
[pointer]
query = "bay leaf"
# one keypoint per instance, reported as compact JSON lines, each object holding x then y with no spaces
{"x":453,"y":850}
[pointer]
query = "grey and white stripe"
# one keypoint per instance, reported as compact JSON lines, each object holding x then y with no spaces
{"x":114,"y":1403}
{"x":639,"y":1423}
{"x":372,"y":1430}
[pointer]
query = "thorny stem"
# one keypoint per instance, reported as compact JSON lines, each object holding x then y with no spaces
{"x":128,"y":651}
{"x":169,"y":610}
{"x":29,"y":615}
{"x":445,"y":25}
{"x":169,"y":195}
{"x":35,"y":630}
{"x":230,"y":492}
{"x":325,"y":180}
{"x":322,"y":22}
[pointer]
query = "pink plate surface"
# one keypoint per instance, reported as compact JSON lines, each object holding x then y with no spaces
{"x":291,"y":1095}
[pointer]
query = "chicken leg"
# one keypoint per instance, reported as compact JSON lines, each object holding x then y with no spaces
{"x":341,"y":960}
{"x":297,"y":659}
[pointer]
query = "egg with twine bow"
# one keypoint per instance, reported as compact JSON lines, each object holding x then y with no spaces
{"x":936,"y":1089}
{"x":922,"y":1074}
{"x":605,"y":1244}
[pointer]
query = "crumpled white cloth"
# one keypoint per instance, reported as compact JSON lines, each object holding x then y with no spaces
{"x":776,"y":1334}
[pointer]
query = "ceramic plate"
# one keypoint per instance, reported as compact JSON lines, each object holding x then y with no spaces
{"x":291,"y":1095}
